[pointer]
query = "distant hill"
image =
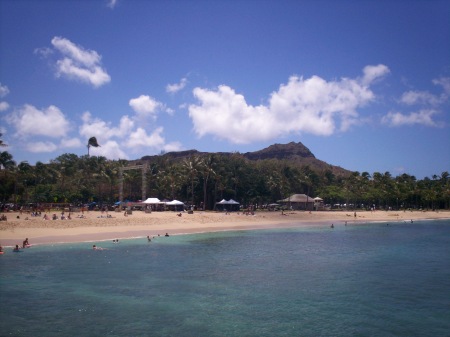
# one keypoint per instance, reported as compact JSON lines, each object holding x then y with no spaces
{"x":293,"y":152}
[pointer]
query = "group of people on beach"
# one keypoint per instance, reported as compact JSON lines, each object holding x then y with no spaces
{"x":95,"y":247}
{"x":150,"y":240}
{"x":25,"y":244}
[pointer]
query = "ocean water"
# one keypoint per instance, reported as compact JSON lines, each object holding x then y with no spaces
{"x":365,"y":280}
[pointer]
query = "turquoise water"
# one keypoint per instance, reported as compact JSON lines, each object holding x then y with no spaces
{"x":366,"y":280}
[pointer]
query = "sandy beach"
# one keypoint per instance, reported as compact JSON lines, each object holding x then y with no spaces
{"x":97,"y":226}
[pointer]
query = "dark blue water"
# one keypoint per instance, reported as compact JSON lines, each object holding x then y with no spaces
{"x":369,"y":280}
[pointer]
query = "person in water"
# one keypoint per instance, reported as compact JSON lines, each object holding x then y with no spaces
{"x":16,"y":249}
{"x":167,"y":234}
{"x":25,"y":243}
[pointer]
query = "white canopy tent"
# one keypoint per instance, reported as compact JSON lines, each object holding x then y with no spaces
{"x":152,"y":201}
{"x":227,"y":205}
{"x":175,"y":205}
{"x":154,"y":204}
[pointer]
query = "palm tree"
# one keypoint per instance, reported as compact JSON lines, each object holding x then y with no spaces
{"x":6,"y":161}
{"x":26,"y":177}
{"x":207,"y":169}
{"x":191,"y":166}
{"x":1,"y":141}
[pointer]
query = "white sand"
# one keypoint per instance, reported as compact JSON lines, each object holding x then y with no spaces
{"x":96,"y":226}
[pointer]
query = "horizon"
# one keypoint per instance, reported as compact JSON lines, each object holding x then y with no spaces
{"x":361,"y":84}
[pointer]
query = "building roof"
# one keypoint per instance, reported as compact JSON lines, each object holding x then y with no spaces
{"x":298,"y":198}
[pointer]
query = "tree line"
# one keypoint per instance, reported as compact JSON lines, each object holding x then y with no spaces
{"x":202,"y":180}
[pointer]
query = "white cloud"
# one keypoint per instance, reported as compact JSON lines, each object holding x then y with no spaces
{"x":39,"y":147}
{"x":371,"y":73}
{"x":44,"y":52}
{"x":119,"y":142}
{"x":139,"y":138}
{"x":426,"y":98}
{"x":423,"y":117}
{"x":109,"y":149}
{"x":4,"y":90}
{"x":313,"y":105}
{"x":76,"y":53}
{"x":95,"y":127}
{"x":4,"y":106}
{"x":445,"y":83}
{"x":429,"y":102}
{"x":173,"y":146}
{"x":174,"y":88}
{"x":71,"y":143}
{"x":78,"y":63}
{"x":145,"y":106}
{"x":111,"y":4}
{"x":30,"y":121}
{"x":419,"y":97}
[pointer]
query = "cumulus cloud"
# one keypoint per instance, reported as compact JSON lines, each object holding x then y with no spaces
{"x":4,"y":106}
{"x":119,"y":141}
{"x":3,"y":90}
{"x":174,"y":88}
{"x":422,"y":117}
{"x":71,"y":143}
{"x":311,"y":105}
{"x":445,"y":83}
{"x":110,"y":149}
{"x":371,"y":73}
{"x":428,"y":102}
{"x":413,"y":97}
{"x":103,"y":131}
{"x":140,"y":138}
{"x":39,"y":147}
{"x":79,"y":64}
{"x":419,"y":97}
{"x":30,"y":121}
{"x":145,"y":106}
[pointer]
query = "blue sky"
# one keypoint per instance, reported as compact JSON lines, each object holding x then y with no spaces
{"x":365,"y":85}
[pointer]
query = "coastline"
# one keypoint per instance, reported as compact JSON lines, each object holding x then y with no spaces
{"x":97,"y":226}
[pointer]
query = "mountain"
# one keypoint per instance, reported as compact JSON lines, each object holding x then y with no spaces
{"x":281,"y":151}
{"x":293,"y":152}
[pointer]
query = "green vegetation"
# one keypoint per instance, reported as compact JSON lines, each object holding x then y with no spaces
{"x":206,"y":178}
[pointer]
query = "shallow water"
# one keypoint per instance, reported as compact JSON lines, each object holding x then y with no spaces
{"x":365,"y":280}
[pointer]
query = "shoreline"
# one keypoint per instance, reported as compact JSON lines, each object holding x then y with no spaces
{"x":97,"y":226}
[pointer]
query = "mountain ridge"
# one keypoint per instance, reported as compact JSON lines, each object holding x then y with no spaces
{"x":294,"y":152}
